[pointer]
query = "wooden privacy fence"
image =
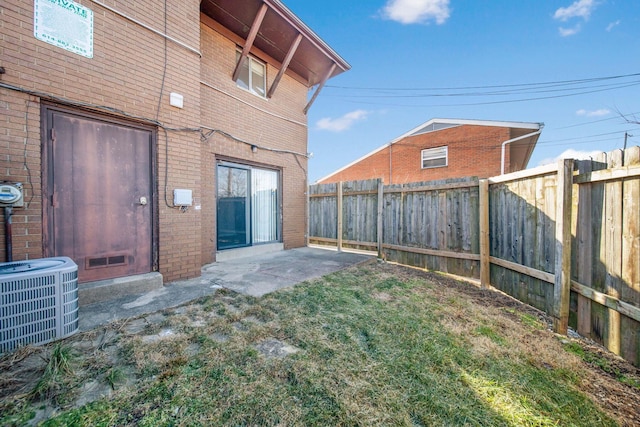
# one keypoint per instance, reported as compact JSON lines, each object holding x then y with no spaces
{"x":564,"y":238}
{"x":432,"y":225}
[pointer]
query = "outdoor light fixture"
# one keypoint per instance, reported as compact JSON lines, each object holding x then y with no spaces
{"x":254,"y":148}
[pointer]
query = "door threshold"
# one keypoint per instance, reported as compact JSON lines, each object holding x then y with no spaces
{"x":249,"y":251}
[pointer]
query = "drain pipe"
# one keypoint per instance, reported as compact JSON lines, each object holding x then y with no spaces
{"x":509,"y":141}
{"x":390,"y":164}
{"x":8,"y":213}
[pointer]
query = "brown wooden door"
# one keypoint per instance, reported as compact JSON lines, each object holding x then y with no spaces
{"x":100,"y":209}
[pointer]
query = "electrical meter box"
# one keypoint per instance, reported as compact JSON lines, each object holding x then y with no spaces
{"x":11,"y":195}
{"x":182,"y":197}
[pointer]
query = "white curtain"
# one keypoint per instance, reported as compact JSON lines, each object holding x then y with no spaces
{"x":264,"y":207}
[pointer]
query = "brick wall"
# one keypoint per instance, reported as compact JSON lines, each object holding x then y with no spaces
{"x":19,"y":158}
{"x":473,"y":151}
{"x":125,"y":74}
{"x":276,"y":123}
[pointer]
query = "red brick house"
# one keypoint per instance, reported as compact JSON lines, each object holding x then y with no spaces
{"x":152,"y":136}
{"x":446,"y":148}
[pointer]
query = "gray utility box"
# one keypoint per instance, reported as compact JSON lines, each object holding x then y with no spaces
{"x":38,"y":301}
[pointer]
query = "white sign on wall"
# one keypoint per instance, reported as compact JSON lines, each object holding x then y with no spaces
{"x":64,"y":23}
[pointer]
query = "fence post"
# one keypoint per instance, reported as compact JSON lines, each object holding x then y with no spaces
{"x":379,"y":218}
{"x":485,"y":264}
{"x":339,"y":209}
{"x":562,"y":280}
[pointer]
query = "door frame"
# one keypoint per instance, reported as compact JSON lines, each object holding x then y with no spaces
{"x":46,"y":109}
{"x":244,"y":164}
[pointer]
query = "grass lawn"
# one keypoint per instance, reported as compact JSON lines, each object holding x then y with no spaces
{"x":372,"y":345}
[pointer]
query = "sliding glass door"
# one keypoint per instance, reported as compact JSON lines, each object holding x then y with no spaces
{"x":247,"y":206}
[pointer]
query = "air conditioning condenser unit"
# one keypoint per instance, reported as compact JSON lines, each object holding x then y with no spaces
{"x":38,"y":301}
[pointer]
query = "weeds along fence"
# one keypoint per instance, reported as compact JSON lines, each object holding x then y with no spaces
{"x":564,"y":238}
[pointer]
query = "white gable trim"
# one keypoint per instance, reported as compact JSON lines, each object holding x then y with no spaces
{"x":460,"y":122}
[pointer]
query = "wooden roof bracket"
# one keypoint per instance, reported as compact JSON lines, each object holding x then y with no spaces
{"x":285,"y":65}
{"x":320,"y":86}
{"x":257,"y":22}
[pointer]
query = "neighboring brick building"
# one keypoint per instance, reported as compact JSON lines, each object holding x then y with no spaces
{"x":208,"y":97}
{"x":446,"y":148}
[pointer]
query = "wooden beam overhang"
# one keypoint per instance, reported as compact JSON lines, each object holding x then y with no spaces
{"x":285,"y":65}
{"x":270,"y":29}
{"x":255,"y":27}
{"x":320,"y":86}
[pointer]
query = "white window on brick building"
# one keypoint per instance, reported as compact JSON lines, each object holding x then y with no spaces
{"x":252,"y":76}
{"x":435,"y":157}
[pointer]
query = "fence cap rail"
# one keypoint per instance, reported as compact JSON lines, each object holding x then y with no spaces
{"x":607,"y":174}
{"x":436,"y":187}
{"x":527,"y":173}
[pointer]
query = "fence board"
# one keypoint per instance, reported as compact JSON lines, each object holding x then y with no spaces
{"x":598,"y":311}
{"x":518,"y":288}
{"x":539,"y":231}
{"x":548,"y":248}
{"x":470,"y":228}
{"x":442,"y":229}
{"x":630,"y":278}
{"x":529,"y":243}
{"x":583,"y":249}
{"x":485,"y":242}
{"x":613,"y":249}
{"x":340,"y":214}
{"x":497,"y":209}
{"x":562,"y":283}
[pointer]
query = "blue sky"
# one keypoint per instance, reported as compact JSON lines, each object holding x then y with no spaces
{"x":413,"y":60}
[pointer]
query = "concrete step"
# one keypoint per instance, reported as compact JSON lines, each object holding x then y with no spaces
{"x":109,"y":289}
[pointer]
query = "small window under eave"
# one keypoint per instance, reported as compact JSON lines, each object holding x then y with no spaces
{"x":252,"y":75}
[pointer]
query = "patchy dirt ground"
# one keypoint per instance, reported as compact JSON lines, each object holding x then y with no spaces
{"x":39,"y":378}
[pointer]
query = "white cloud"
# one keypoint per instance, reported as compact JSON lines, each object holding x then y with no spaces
{"x":578,"y":9}
{"x":612,"y":25}
{"x":566,"y":32}
{"x":417,"y":11}
{"x":569,"y":154}
{"x":342,"y":123}
{"x":594,"y":113}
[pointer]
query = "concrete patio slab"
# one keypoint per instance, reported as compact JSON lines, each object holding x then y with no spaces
{"x":256,"y":276}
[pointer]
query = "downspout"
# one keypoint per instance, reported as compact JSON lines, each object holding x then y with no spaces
{"x":390,"y":165}
{"x":509,"y":141}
